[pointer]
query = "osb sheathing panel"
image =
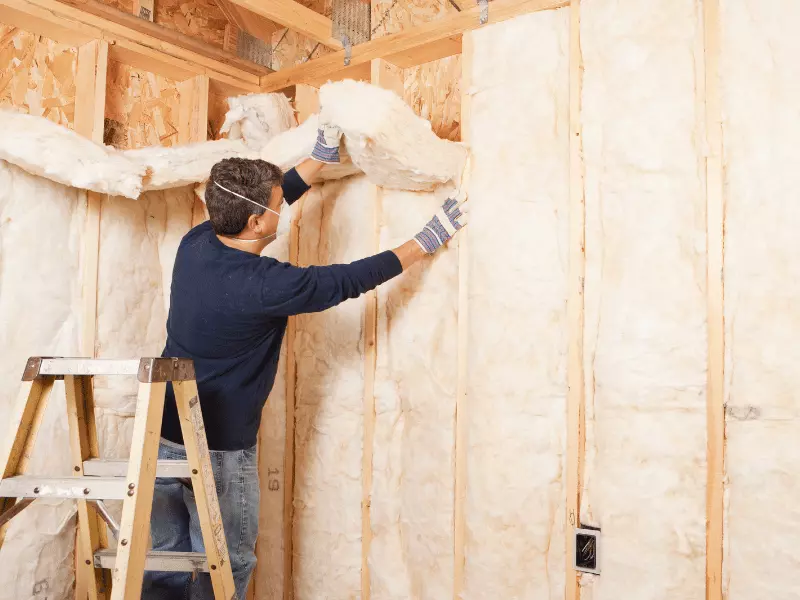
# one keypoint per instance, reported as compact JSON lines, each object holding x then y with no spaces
{"x":199,"y":18}
{"x":37,"y":75}
{"x":144,"y":105}
{"x":432,"y":89}
{"x":290,"y":48}
{"x":217,"y":107}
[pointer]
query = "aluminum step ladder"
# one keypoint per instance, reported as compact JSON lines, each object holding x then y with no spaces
{"x":103,"y":572}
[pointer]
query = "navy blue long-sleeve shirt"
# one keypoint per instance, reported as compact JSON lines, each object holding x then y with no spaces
{"x":228,"y":313}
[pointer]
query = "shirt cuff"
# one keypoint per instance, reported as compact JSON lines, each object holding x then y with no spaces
{"x":293,"y":186}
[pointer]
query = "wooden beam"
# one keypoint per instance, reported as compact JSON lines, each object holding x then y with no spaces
{"x":193,"y":110}
{"x":306,"y":102}
{"x":90,"y":103}
{"x":308,"y":105}
{"x":147,"y":28}
{"x":154,"y":49}
{"x":417,"y":45}
{"x":193,"y":125}
{"x":715,"y":220}
{"x":462,"y":424}
{"x":296,"y":17}
{"x":575,"y":304}
{"x":248,"y":21}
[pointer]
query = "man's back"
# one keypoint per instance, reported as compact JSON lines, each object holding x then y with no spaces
{"x":217,"y":318}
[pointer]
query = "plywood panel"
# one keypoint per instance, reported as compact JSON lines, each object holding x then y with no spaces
{"x":144,"y":107}
{"x":432,"y":89}
{"x":37,"y":75}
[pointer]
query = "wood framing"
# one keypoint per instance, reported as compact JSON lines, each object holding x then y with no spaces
{"x":193,"y":125}
{"x":90,"y":102}
{"x":248,"y":21}
{"x":575,"y":304}
{"x":417,"y":45}
{"x":295,"y":16}
{"x":111,"y":14}
{"x":17,"y":446}
{"x":462,"y":424}
{"x":83,"y":446}
{"x":153,"y":49}
{"x":203,"y":481}
{"x":306,"y":103}
{"x":141,"y":476}
{"x":715,"y":219}
{"x":193,"y":110}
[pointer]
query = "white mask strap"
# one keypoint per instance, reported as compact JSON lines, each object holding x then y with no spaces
{"x":248,"y":199}
{"x":261,"y":239}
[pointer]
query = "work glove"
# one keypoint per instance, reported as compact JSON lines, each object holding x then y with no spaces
{"x":326,"y":149}
{"x":451,"y":217}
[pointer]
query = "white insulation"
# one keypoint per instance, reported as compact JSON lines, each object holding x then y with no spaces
{"x":645,"y":298}
{"x":411,"y":553}
{"x":643,"y":131}
{"x":761,"y":123}
{"x":329,"y":349}
{"x":40,"y":227}
{"x":48,"y":150}
{"x":517,"y":341}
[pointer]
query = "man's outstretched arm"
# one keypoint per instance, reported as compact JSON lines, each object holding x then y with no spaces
{"x":290,"y":290}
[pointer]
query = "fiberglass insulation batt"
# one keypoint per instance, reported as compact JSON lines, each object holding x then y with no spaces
{"x":517,"y":346}
{"x":138,"y":242}
{"x":329,"y":350}
{"x":645,"y":298}
{"x":411,"y":510}
{"x":760,"y":76}
{"x":40,"y":290}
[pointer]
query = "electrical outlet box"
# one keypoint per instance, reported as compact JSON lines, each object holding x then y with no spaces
{"x":587,"y":550}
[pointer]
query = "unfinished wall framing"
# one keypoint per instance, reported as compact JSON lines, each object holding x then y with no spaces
{"x":592,"y":350}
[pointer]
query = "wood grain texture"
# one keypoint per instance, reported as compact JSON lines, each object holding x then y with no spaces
{"x":417,"y":45}
{"x":715,"y":219}
{"x":462,"y":400}
{"x":137,"y":42}
{"x":90,"y":103}
{"x":576,"y":437}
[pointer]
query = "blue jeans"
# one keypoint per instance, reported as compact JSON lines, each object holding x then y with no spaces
{"x":174,"y":525}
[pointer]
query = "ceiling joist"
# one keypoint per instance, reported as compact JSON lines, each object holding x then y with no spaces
{"x":133,"y":41}
{"x":296,"y":17}
{"x":414,"y":46}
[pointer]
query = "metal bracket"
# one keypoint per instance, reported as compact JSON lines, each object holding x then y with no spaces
{"x":32,"y":368}
{"x":348,"y":49}
{"x":153,"y":370}
{"x":484,"y":4}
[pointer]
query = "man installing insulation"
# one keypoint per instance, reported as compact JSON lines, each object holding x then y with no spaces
{"x":228,"y":313}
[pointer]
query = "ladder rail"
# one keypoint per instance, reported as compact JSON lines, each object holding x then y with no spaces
{"x":131,"y":481}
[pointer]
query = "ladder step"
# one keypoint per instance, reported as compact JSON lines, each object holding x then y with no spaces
{"x":147,"y":370}
{"x":84,"y":366}
{"x":119,"y":468}
{"x":81,"y":488}
{"x":158,"y":561}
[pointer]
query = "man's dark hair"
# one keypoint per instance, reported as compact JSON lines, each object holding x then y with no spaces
{"x":254,"y":179}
